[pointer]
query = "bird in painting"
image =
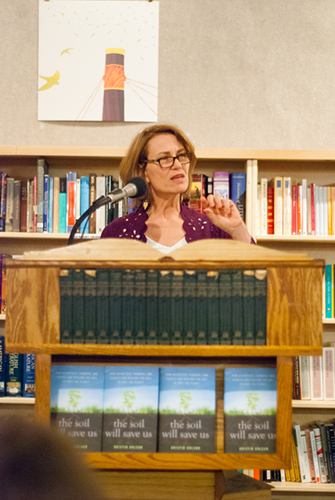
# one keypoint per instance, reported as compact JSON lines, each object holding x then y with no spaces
{"x":50,"y":81}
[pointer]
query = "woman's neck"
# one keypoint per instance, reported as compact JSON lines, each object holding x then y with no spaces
{"x":164,"y":206}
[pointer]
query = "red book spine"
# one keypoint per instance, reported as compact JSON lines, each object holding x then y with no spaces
{"x":313,"y":208}
{"x":271,"y":226}
{"x":299,"y":211}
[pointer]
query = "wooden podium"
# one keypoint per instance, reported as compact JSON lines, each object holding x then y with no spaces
{"x":294,"y":328}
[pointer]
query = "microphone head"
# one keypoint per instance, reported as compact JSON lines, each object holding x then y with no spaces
{"x":141,"y":187}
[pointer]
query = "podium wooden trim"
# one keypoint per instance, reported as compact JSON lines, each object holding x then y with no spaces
{"x":294,"y":327}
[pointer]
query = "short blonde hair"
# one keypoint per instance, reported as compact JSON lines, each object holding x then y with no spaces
{"x":133,"y":164}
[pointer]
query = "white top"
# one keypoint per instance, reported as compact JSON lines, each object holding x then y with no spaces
{"x":163,"y":248}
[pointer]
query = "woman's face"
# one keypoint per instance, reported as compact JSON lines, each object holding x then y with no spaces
{"x":164,"y":182}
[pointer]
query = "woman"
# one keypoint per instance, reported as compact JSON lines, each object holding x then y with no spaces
{"x":165,"y":158}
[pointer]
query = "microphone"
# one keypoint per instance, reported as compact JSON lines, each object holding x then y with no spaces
{"x":135,"y":188}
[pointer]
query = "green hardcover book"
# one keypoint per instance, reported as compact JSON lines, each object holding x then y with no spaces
{"x":78,"y":307}
{"x":190,"y":307}
{"x":177,"y":310}
{"x":237,"y":307}
{"x":213,"y":334}
{"x":139,"y":300}
{"x":152,"y":307}
{"x":248,"y":282}
{"x":65,"y":292}
{"x":225,"y":306}
{"x":260,"y":306}
{"x":164,"y":307}
{"x":115,"y":300}
{"x":201,"y":308}
{"x":102,"y":278}
{"x":128,"y":310}
{"x":90,"y":301}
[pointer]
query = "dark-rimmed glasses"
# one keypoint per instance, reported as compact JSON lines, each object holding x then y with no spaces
{"x":168,"y":161}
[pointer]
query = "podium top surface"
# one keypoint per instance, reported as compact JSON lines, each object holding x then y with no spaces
{"x":116,"y":251}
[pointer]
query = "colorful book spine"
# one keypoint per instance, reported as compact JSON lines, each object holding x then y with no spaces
{"x":71,"y":185}
{"x":84,"y":201}
{"x":329,"y":283}
{"x":237,"y":191}
{"x":198,"y":189}
{"x":221,"y":184}
{"x":28,"y":386}
{"x":45,"y":202}
{"x":2,"y":366}
{"x":62,"y":205}
{"x":42,"y":169}
{"x":50,"y":204}
{"x":14,"y":367}
{"x":271,"y":203}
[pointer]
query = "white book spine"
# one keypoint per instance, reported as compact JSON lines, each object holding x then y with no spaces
{"x":320,"y":455}
{"x":316,"y":377}
{"x":101,"y":212}
{"x":264,"y":206}
{"x":287,"y":206}
{"x":258,"y":210}
{"x":278,"y":209}
{"x":300,"y":452}
{"x":305,"y":456}
{"x":304,"y":377}
{"x":328,"y":373}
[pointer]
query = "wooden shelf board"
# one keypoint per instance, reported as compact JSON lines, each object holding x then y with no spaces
{"x":17,"y":401}
{"x":295,"y":239}
{"x":303,"y":487}
{"x":46,"y":236}
{"x":313,"y":403}
{"x":165,"y":350}
{"x":2,"y":317}
{"x":180,"y":461}
{"x":328,"y":321}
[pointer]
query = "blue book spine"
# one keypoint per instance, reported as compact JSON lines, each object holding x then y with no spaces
{"x":329,"y":285}
{"x":51,"y":205}
{"x":62,"y":205}
{"x":45,"y":203}
{"x":2,"y":366}
{"x":14,"y":365}
{"x":29,"y":375}
{"x":84,"y":201}
{"x":237,"y":190}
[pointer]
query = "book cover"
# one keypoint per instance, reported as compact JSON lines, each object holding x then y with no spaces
{"x":221,"y":184}
{"x":250,"y":408}
{"x":66,"y":310}
{"x":115,"y":306}
{"x":9,"y":205}
{"x":102,"y":278}
{"x":2,"y":367}
{"x":71,"y":185}
{"x":130,"y":409}
{"x":190,"y":304}
{"x":50,"y":205}
{"x":84,"y":201}
{"x":28,"y":388}
{"x":152,"y":307}
{"x":45,"y":202}
{"x":186,"y":419}
{"x":76,"y":404}
{"x":14,"y":367}
{"x":24,"y":205}
{"x":198,"y":189}
{"x":62,"y":205}
{"x":90,"y":306}
{"x":237,"y":190}
{"x":42,"y":170}
{"x":225,"y":307}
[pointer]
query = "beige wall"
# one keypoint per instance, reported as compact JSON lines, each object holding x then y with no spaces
{"x":232,"y":74}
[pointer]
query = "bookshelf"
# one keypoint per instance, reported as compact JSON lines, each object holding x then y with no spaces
{"x":315,"y":165}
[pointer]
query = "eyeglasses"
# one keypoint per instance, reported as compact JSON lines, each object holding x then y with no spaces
{"x":168,"y":161}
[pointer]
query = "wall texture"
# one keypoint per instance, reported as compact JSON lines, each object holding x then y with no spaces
{"x":232,"y":74}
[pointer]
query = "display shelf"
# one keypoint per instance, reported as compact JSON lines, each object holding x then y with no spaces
{"x":295,"y":239}
{"x":2,"y":317}
{"x":45,"y":236}
{"x":17,"y":401}
{"x":303,"y":403}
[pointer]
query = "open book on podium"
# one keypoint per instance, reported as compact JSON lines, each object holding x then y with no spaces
{"x":293,"y":323}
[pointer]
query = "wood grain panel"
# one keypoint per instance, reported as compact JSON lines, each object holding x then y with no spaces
{"x":284,"y":408}
{"x":42,"y":388}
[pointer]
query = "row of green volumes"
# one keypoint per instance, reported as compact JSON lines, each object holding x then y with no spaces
{"x":167,"y":307}
{"x":168,"y":410}
{"x":135,"y":408}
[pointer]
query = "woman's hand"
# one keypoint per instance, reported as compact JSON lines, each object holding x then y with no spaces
{"x":224,"y":214}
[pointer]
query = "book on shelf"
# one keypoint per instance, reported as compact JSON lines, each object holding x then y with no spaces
{"x":302,"y":453}
{"x":127,"y":306}
{"x":93,"y":192}
{"x":248,"y":294}
{"x":9,"y":204}
{"x":294,"y":195}
{"x":304,"y":211}
{"x":186,"y":417}
{"x":260,"y":290}
{"x":151,"y":308}
{"x":14,"y":367}
{"x":294,"y":470}
{"x":3,"y":196}
{"x":319,"y":453}
{"x":115,"y":308}
{"x":102,"y":306}
{"x":24,"y":206}
{"x":328,"y":372}
{"x":305,"y":388}
{"x":50,"y":205}
{"x":198,"y":189}
{"x":271,"y":204}
{"x":78,"y":306}
{"x":42,"y":170}
{"x":66,"y":307}
{"x":213,"y":308}
{"x":62,"y":205}
{"x":250,"y":408}
{"x":71,"y":188}
{"x":56,"y":191}
{"x":296,"y":378}
{"x":316,"y":377}
{"x":17,"y":206}
{"x":164,"y":308}
{"x":45,"y":202}
{"x":177,"y":309}
{"x":140,"y":285}
{"x":225,"y":307}
{"x":287,"y":206}
{"x":2,"y":367}
{"x":76,"y":404}
{"x":130,"y":409}
{"x":84,"y":201}
{"x":237,"y":307}
{"x":28,"y":374}
{"x":277,"y":184}
{"x":237,"y":191}
{"x":315,"y":456}
{"x":329,"y":430}
{"x":221,"y":184}
{"x":100,"y":213}
{"x":308,"y":438}
{"x":329,"y":287}
{"x":312,"y":208}
{"x":90,"y":306}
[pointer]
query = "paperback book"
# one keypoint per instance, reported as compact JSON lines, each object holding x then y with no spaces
{"x":250,"y":408}
{"x":130,"y":409}
{"x":186,"y":410}
{"x":76,"y":404}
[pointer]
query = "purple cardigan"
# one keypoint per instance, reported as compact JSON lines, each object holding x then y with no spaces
{"x":196,"y":226}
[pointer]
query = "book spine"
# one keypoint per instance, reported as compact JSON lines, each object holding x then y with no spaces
{"x":304,"y":377}
{"x":24,"y":206}
{"x":248,"y":285}
{"x":62,"y":205}
{"x":304,"y":206}
{"x":84,"y":201}
{"x":29,"y":361}
{"x":198,"y":189}
{"x":45,"y":202}
{"x":294,"y":209}
{"x":333,"y":209}
{"x":14,"y":374}
{"x":115,"y":306}
{"x":320,"y":455}
{"x":287,"y":206}
{"x":278,"y":205}
{"x":316,"y":378}
{"x":128,"y":323}
{"x":313,"y":209}
{"x":140,"y":286}
{"x":328,"y":372}
{"x":66,"y":310}
{"x":93,"y":189}
{"x":315,"y":457}
{"x":55,"y":222}
{"x":264,"y":206}
{"x":237,"y":190}
{"x":9,"y":204}
{"x":260,"y":290}
{"x":177,"y":309}
{"x":329,"y":287}
{"x":164,"y":308}
{"x":50,"y":205}
{"x":71,"y":185}
{"x":17,"y":206}
{"x":225,"y":307}
{"x":310,"y":456}
{"x":213,"y":314}
{"x":221,"y":184}
{"x":2,"y":366}
{"x":152,"y":307}
{"x":90,"y":306}
{"x":270,"y":222}
{"x":101,"y":212}
{"x":103,"y":327}
{"x":3,"y":195}
{"x":78,"y":306}
{"x":35,"y":183}
{"x":42,"y":169}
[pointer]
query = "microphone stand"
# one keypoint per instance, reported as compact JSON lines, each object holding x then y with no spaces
{"x":100,"y":202}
